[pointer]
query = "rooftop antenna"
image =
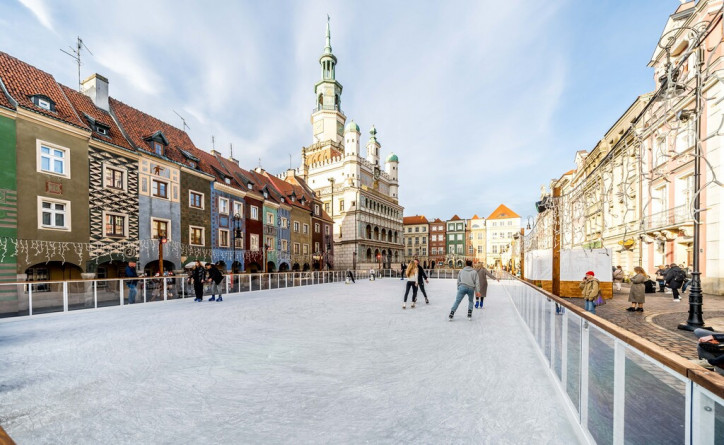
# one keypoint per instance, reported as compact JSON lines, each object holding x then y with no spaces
{"x":213,"y":142}
{"x":185,"y":126}
{"x":259,"y":162}
{"x":290,"y":161}
{"x":75,"y":55}
{"x":231,"y":150}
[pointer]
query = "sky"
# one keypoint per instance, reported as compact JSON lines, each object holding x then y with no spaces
{"x":483,"y":101}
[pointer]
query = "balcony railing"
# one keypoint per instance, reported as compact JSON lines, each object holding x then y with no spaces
{"x":668,"y":218}
{"x":327,"y":108}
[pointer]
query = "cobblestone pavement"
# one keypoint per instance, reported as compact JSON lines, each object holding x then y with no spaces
{"x":658,"y":323}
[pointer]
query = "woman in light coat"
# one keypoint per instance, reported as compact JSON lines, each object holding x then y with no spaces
{"x":411,"y":275}
{"x":483,"y":275}
{"x":637,"y":295}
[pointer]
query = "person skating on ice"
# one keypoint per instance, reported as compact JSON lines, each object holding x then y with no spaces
{"x":215,"y":277}
{"x":483,"y":275}
{"x":421,"y":280}
{"x":411,"y":275}
{"x":198,"y":275}
{"x":467,"y":284}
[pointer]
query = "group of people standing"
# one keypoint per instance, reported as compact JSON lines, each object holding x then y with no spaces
{"x":211,"y":274}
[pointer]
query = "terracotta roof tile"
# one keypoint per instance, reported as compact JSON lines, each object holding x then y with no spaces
{"x":84,"y":106}
{"x":417,"y":219}
{"x":24,"y":81}
{"x":4,"y":101}
{"x":503,"y":212}
{"x":455,"y":218}
{"x":139,"y":125}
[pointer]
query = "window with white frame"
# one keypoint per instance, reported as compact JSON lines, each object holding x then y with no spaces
{"x":270,"y":218}
{"x":114,"y":178}
{"x":284,"y":223}
{"x":296,"y":226}
{"x":196,"y":200}
{"x":284,"y":245}
{"x":53,"y":213}
{"x":223,"y":238}
{"x":316,"y":247}
{"x":53,"y":159}
{"x":296,"y":248}
{"x":224,"y":206}
{"x":480,"y":249}
{"x":269,"y":242}
{"x":305,"y":228}
{"x":239,"y":209}
{"x":196,"y":236}
{"x":459,"y":236}
{"x":451,"y":249}
{"x":254,"y":210}
{"x":326,"y":230}
{"x":160,"y":227}
{"x":305,"y":249}
{"x":254,"y":242}
{"x":159,"y":189}
{"x":115,"y":224}
{"x":316,"y":209}
{"x":239,"y":241}
{"x":451,"y":237}
{"x":317,"y":228}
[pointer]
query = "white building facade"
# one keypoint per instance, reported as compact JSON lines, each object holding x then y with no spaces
{"x":358,"y":191}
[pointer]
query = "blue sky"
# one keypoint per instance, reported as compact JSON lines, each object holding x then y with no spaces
{"x":483,"y":101}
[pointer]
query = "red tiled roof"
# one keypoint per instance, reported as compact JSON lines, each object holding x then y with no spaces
{"x":285,"y":188}
{"x":417,"y":219}
{"x":139,"y":125}
{"x":503,"y":212}
{"x":4,"y":101}
{"x":454,"y":218}
{"x":85,"y":106}
{"x":23,"y":81}
{"x":438,"y":220}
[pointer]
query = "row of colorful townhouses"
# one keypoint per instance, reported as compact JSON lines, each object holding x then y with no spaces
{"x":634,"y":192}
{"x":450,"y":243}
{"x":102,"y":184}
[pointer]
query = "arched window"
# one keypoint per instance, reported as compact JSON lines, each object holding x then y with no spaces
{"x":320,"y":101}
{"x":369,"y":254}
{"x":377,"y":233}
{"x":368,"y":232}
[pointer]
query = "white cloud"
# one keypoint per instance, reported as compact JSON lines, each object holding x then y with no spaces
{"x":40,"y":11}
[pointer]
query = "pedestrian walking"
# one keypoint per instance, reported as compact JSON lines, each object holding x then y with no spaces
{"x":411,"y":275}
{"x":215,"y":277}
{"x":198,"y":275}
{"x":468,"y":284}
{"x":674,"y":279}
{"x":618,"y":278}
{"x":637,"y":294}
{"x":589,"y":291}
{"x":687,"y":281}
{"x":421,"y":280}
{"x":403,"y":267}
{"x":131,"y":273}
{"x":483,"y":275}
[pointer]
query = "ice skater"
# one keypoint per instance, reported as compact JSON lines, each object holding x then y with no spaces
{"x":197,"y":277}
{"x":350,"y":275}
{"x":467,"y":284}
{"x":215,"y":277}
{"x":411,"y":274}
{"x":483,"y":275}
{"x":131,"y":273}
{"x":421,"y":280}
{"x":402,"y":271}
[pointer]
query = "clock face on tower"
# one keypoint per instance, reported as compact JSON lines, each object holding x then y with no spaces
{"x":377,"y":173}
{"x":318,"y":127}
{"x":340,"y":128}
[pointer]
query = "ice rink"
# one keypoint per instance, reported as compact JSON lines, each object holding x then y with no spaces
{"x":330,"y":363}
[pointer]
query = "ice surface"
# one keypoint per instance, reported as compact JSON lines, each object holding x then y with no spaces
{"x":332,"y":363}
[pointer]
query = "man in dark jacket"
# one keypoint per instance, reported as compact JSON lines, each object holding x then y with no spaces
{"x":131,"y":273}
{"x":198,"y":275}
{"x":403,"y":266}
{"x":674,"y":279}
{"x":215,"y":277}
{"x":421,"y":276}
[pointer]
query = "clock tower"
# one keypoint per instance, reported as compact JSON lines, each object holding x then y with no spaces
{"x":327,"y":117}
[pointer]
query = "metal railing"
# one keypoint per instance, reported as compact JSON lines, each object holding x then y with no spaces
{"x":30,"y":298}
{"x":327,"y":108}
{"x":617,"y":386}
{"x":667,"y":218}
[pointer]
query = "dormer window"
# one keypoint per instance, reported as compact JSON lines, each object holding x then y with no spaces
{"x":44,"y":102}
{"x":250,"y":186}
{"x":102,"y":129}
{"x":283,"y":200}
{"x":157,"y":148}
{"x":158,"y":143}
{"x":227,"y":180}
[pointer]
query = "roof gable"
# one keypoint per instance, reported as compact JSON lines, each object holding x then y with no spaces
{"x":503,"y":212}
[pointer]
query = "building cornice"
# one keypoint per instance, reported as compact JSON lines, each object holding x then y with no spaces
{"x":8,"y":113}
{"x":230,"y":190}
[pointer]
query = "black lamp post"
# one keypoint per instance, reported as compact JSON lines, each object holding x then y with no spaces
{"x":354,"y":260}
{"x":161,"y":241}
{"x":236,"y":233}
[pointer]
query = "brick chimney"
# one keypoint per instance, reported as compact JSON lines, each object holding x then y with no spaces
{"x":96,"y":87}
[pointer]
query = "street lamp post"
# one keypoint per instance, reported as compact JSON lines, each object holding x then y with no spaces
{"x":236,"y":234}
{"x":354,"y":260}
{"x":161,"y":241}
{"x":379,"y":261}
{"x":266,"y":249}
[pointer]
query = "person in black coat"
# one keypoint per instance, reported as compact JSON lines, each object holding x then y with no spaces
{"x":421,"y":276}
{"x":215,"y":277}
{"x":674,"y":279}
{"x":403,"y":266}
{"x":198,"y":275}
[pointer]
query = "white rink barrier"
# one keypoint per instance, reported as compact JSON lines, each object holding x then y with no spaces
{"x":30,"y":298}
{"x":619,"y":387}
